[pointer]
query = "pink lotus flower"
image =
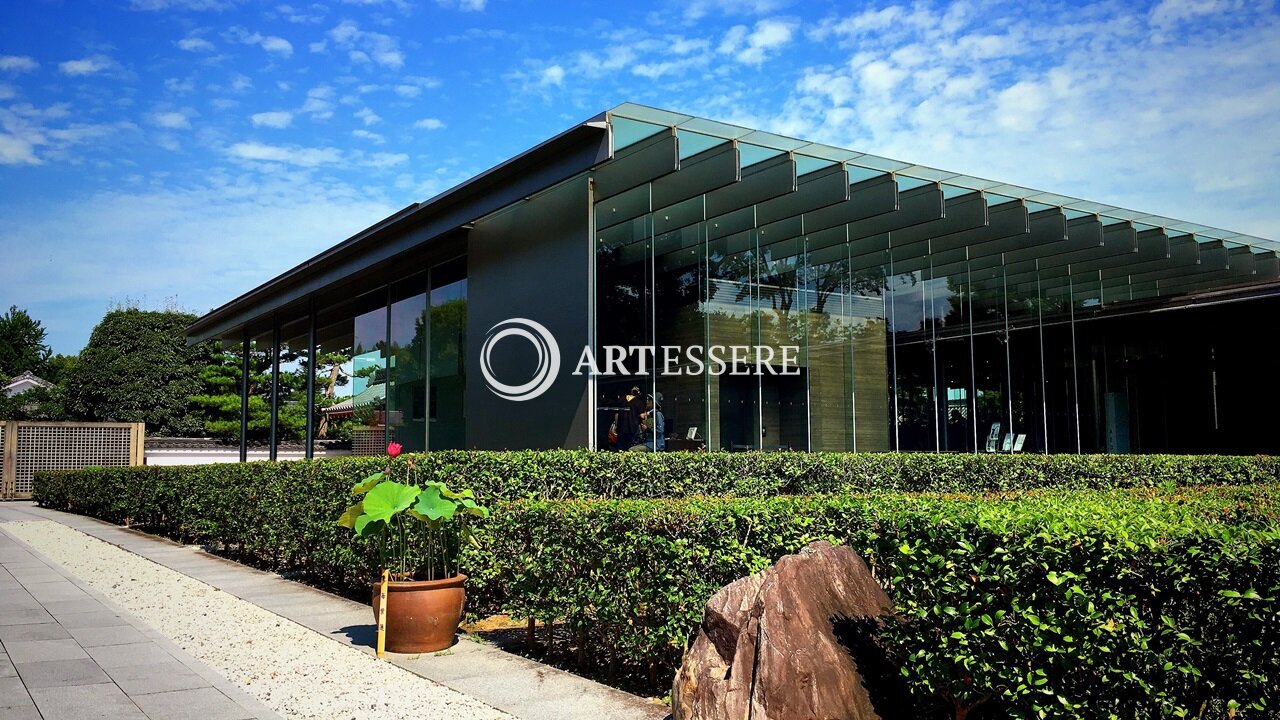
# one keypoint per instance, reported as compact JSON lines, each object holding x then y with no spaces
{"x":393,"y":450}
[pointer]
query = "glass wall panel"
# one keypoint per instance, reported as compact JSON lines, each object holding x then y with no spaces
{"x":624,"y":318}
{"x":406,"y":394}
{"x":915,"y":400}
{"x":334,"y":386}
{"x":1060,"y":387}
{"x":679,"y":293}
{"x":829,"y":306}
{"x":872,"y":393}
{"x":784,"y":405}
{"x":261,"y":360}
{"x":448,"y":345}
{"x":291,"y":417}
{"x":733,"y":397}
{"x":369,"y":382}
{"x":953,"y":356}
{"x":1091,"y":363}
{"x":990,"y":360}
{"x":1026,"y":363}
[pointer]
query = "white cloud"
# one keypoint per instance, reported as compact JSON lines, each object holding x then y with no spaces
{"x":194,"y":5}
{"x":697,"y":9}
{"x":1095,"y":105}
{"x":277,"y":45}
{"x":195,"y":44}
{"x":291,"y":155}
{"x":464,"y":5}
{"x":429,"y":124}
{"x":364,"y":46}
{"x":1021,"y":106}
{"x":31,"y":135}
{"x":880,"y":77}
{"x":368,"y":117}
{"x":271,"y":43}
{"x":385,"y":160}
{"x":17,"y":150}
{"x":17,"y":63}
{"x":370,"y":136}
{"x":7,"y":92}
{"x":303,"y":17}
{"x":170,"y":119}
{"x":180,"y":86}
{"x":274,"y":119}
{"x":754,"y":46}
{"x":319,"y":103}
{"x":408,"y":91}
{"x":85,"y":66}
{"x":1172,"y":12}
{"x":553,"y":75}
{"x":206,"y":241}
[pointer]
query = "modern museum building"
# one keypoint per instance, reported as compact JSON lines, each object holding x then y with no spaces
{"x":870,"y":305}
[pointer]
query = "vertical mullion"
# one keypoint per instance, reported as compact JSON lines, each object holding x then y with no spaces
{"x":309,"y":452}
{"x":275,"y":389}
{"x":893,"y":344}
{"x":244,"y":395}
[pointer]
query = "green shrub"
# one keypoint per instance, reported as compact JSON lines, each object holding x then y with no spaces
{"x":117,"y":493}
{"x":1156,"y":600}
{"x":1126,"y":604}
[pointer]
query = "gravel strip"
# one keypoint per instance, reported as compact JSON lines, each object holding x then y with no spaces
{"x":291,"y":669}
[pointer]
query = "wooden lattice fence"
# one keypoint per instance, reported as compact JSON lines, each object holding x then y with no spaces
{"x":32,"y":446}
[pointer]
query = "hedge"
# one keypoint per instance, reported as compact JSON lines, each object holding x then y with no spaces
{"x":1155,"y":600}
{"x":119,"y":493}
{"x":1091,"y":604}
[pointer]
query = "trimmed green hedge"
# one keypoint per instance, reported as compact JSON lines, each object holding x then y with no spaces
{"x":118,"y":493}
{"x":1089,"y":604}
{"x":1151,"y":601}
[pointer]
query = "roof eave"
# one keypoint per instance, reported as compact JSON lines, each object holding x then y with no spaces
{"x":573,"y":151}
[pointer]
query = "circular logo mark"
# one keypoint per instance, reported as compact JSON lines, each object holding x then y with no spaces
{"x":548,"y":359}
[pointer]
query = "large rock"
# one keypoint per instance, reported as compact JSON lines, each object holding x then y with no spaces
{"x":768,"y":647}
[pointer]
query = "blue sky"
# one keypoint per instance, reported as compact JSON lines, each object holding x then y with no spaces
{"x":179,"y":152}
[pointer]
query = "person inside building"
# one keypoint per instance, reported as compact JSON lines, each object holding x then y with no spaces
{"x":653,"y":427}
{"x":627,"y":422}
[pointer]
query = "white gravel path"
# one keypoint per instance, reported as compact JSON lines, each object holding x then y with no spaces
{"x":291,"y":669}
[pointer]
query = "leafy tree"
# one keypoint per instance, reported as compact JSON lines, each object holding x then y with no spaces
{"x":219,"y":399}
{"x":35,"y":404}
{"x":22,"y":344}
{"x":330,"y":375}
{"x":138,"y":367}
{"x":58,"y":368}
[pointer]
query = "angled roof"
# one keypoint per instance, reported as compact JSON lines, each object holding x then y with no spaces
{"x":659,"y":118}
{"x":634,"y":145}
{"x":24,"y":382}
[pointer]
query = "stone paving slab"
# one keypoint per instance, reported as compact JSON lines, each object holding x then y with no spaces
{"x":516,"y":685}
{"x":67,"y":653}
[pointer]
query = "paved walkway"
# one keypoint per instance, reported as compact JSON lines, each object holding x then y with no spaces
{"x":70,"y":654}
{"x":516,"y":685}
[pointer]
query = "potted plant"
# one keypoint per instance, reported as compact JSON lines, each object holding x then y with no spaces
{"x":425,"y":595}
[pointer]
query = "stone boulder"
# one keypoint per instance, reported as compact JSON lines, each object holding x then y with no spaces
{"x":769,"y":647}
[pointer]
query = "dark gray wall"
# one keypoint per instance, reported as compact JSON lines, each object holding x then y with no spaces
{"x":531,"y":261}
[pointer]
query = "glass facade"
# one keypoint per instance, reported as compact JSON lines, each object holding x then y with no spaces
{"x":925,"y":311}
{"x":770,"y":294}
{"x":384,"y":366}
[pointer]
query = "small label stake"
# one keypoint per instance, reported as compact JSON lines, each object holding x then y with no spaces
{"x":382,"y":614}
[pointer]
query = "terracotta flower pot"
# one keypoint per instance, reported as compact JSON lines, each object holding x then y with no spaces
{"x":422,"y":615}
